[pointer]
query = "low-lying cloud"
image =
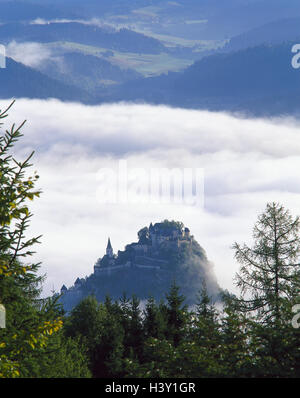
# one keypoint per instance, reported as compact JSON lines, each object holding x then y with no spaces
{"x":92,"y":21}
{"x":246,"y":164}
{"x":31,"y":54}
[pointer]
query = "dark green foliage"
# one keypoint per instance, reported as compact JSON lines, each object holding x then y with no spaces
{"x":168,"y":339}
{"x":236,"y":352}
{"x":98,"y":328}
{"x":155,"y":323}
{"x":63,"y":357}
{"x":32,"y":344}
{"x":270,"y":270}
{"x":176,"y":315}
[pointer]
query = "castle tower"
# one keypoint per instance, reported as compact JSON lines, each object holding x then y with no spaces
{"x":152,"y":235}
{"x":151,"y":229}
{"x":109,"y":249}
{"x":187,"y":233}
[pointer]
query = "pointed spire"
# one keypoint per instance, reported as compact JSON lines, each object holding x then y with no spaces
{"x":109,"y":249}
{"x":109,"y":246}
{"x":63,"y":289}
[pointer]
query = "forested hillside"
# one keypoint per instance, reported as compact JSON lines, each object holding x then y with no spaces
{"x":238,"y":81}
{"x":122,"y":40}
{"x":18,"y":80}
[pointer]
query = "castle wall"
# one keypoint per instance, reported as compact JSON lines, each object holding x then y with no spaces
{"x":140,"y":264}
{"x":149,"y":260}
{"x":109,"y":270}
{"x":155,"y":267}
{"x":143,"y":253}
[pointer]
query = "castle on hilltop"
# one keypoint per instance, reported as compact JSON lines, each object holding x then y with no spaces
{"x":146,"y":252}
{"x":151,"y":252}
{"x":164,"y":252}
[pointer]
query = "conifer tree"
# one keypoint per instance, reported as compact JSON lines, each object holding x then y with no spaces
{"x":235,"y":357}
{"x":269,"y":280}
{"x":99,"y":328}
{"x":83,"y":322}
{"x":200,"y":350}
{"x":154,"y":322}
{"x":205,"y":324}
{"x":109,"y":351}
{"x":136,"y":331}
{"x":270,"y":270}
{"x":176,"y":315}
{"x":27,"y":326}
{"x":62,"y":357}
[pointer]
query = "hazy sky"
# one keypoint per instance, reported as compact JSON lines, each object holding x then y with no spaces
{"x":246,"y":164}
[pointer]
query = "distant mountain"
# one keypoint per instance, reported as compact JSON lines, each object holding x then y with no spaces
{"x":164,"y":252}
{"x":90,"y":7}
{"x":284,"y":30}
{"x":258,"y":80}
{"x":192,"y":19}
{"x":252,"y":74}
{"x":13,"y":11}
{"x":123,"y":40}
{"x":17,"y":81}
{"x":87,"y":72}
{"x":237,"y":16}
{"x":224,"y":18}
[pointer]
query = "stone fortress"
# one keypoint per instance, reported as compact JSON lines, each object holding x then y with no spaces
{"x":164,"y":252}
{"x":146,"y":254}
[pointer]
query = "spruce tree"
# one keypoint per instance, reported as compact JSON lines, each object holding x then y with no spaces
{"x":205,"y":325}
{"x":136,"y":332}
{"x":154,"y":322}
{"x":176,"y":315}
{"x":235,"y":353}
{"x":28,"y":326}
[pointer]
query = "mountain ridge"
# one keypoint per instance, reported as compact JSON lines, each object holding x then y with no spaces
{"x":20,"y":81}
{"x":236,"y":82}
